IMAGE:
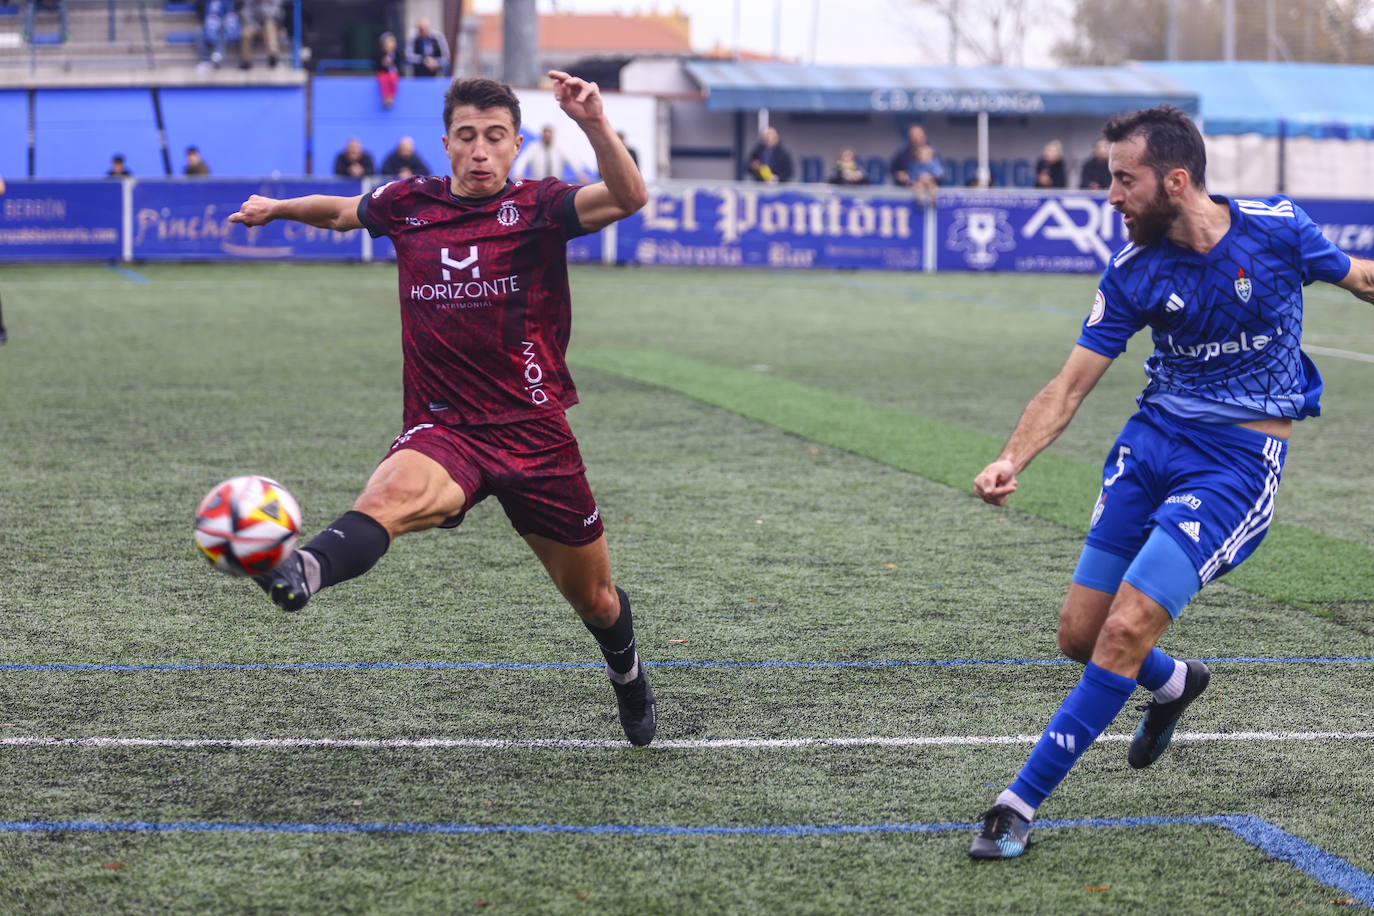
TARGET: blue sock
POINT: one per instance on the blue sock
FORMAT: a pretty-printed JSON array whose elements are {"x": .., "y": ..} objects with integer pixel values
[
  {"x": 1156, "y": 670},
  {"x": 1085, "y": 713}
]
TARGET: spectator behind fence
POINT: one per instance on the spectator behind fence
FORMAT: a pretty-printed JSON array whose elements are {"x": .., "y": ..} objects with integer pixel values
[
  {"x": 195, "y": 166},
  {"x": 546, "y": 159},
  {"x": 847, "y": 169},
  {"x": 1050, "y": 171},
  {"x": 219, "y": 25},
  {"x": 388, "y": 69},
  {"x": 403, "y": 161},
  {"x": 904, "y": 162},
  {"x": 117, "y": 167},
  {"x": 1096, "y": 176},
  {"x": 353, "y": 161},
  {"x": 260, "y": 17},
  {"x": 427, "y": 51},
  {"x": 769, "y": 160},
  {"x": 926, "y": 173}
]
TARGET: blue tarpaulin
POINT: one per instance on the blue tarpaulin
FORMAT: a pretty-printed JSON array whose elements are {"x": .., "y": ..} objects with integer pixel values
[{"x": 1096, "y": 91}]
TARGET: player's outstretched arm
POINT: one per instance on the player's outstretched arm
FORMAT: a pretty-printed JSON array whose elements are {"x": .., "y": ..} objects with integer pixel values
[
  {"x": 322, "y": 210},
  {"x": 1045, "y": 417},
  {"x": 621, "y": 190},
  {"x": 1360, "y": 279}
]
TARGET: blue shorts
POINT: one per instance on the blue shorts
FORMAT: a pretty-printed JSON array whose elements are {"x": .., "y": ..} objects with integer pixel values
[{"x": 1210, "y": 487}]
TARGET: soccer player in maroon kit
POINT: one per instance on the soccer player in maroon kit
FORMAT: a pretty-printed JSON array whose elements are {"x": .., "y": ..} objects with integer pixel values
[{"x": 483, "y": 273}]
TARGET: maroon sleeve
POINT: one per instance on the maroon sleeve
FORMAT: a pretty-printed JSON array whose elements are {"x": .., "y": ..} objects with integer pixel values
[
  {"x": 559, "y": 208},
  {"x": 376, "y": 211}
]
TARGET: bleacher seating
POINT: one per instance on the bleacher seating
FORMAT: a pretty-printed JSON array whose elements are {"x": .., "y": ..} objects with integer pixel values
[{"x": 57, "y": 37}]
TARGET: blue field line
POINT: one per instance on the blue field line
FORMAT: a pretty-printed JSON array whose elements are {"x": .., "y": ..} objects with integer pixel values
[
  {"x": 127, "y": 273},
  {"x": 561, "y": 666},
  {"x": 1271, "y": 840}
]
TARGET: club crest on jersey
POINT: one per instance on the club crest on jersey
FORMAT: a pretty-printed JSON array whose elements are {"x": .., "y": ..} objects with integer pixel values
[
  {"x": 1099, "y": 309},
  {"x": 1243, "y": 287},
  {"x": 508, "y": 215}
]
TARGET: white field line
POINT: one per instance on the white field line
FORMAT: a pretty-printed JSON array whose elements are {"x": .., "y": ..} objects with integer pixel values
[
  {"x": 669, "y": 744},
  {"x": 1341, "y": 354}
]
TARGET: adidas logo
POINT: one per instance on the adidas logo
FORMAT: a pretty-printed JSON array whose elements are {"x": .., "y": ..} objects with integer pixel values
[
  {"x": 1062, "y": 739},
  {"x": 1192, "y": 529},
  {"x": 1174, "y": 304}
]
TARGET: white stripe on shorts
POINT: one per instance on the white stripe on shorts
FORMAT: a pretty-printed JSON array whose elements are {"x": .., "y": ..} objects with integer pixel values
[{"x": 1256, "y": 521}]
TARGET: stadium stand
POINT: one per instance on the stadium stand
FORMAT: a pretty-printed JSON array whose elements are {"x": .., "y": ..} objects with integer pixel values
[{"x": 53, "y": 38}]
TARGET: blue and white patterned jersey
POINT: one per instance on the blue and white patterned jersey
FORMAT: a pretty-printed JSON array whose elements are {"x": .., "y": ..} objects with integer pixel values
[{"x": 1227, "y": 325}]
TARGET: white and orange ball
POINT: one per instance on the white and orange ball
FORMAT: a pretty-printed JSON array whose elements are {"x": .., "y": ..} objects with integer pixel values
[{"x": 247, "y": 525}]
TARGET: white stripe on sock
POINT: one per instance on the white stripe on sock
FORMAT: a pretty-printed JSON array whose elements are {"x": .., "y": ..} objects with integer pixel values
[
  {"x": 1173, "y": 687},
  {"x": 1016, "y": 803}
]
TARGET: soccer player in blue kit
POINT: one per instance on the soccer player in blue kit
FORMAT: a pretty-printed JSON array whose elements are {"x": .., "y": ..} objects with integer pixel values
[{"x": 1188, "y": 487}]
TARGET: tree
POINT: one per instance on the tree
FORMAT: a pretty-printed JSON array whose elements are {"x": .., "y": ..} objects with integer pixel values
[
  {"x": 1109, "y": 32},
  {"x": 992, "y": 32}
]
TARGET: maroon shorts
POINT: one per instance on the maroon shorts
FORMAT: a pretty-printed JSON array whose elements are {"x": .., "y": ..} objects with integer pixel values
[{"x": 533, "y": 468}]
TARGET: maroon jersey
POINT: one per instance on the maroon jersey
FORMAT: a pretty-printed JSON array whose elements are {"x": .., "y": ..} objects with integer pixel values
[{"x": 485, "y": 308}]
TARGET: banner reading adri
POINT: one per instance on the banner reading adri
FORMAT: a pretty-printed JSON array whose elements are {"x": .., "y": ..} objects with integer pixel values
[
  {"x": 61, "y": 221},
  {"x": 1026, "y": 232},
  {"x": 737, "y": 226},
  {"x": 178, "y": 220}
]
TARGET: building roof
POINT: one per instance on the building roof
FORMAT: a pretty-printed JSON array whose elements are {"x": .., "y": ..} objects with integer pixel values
[
  {"x": 598, "y": 33},
  {"x": 1101, "y": 91},
  {"x": 1256, "y": 97}
]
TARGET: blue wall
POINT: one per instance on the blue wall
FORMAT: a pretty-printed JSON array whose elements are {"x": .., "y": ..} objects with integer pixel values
[
  {"x": 351, "y": 106},
  {"x": 254, "y": 130},
  {"x": 14, "y": 128},
  {"x": 248, "y": 131},
  {"x": 77, "y": 130}
]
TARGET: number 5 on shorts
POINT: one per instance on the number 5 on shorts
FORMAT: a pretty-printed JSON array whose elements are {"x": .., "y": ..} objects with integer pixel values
[{"x": 1120, "y": 465}]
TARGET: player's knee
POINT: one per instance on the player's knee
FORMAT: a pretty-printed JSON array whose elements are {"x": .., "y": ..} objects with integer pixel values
[
  {"x": 406, "y": 502},
  {"x": 1074, "y": 646},
  {"x": 1125, "y": 638},
  {"x": 599, "y": 605}
]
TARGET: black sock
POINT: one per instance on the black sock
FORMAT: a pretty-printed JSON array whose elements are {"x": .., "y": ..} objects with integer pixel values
[
  {"x": 617, "y": 641},
  {"x": 348, "y": 547}
]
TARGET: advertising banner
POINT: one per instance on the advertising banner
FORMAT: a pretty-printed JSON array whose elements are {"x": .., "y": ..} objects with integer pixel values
[
  {"x": 1348, "y": 224},
  {"x": 1026, "y": 232},
  {"x": 739, "y": 226},
  {"x": 61, "y": 221},
  {"x": 178, "y": 220}
]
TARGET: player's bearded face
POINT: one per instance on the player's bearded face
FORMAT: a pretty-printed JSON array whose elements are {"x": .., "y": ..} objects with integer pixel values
[{"x": 1151, "y": 220}]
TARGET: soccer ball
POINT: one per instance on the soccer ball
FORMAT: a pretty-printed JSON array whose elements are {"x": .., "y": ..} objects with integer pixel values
[{"x": 246, "y": 525}]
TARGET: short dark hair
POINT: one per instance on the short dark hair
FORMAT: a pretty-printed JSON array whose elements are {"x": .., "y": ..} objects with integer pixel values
[
  {"x": 1172, "y": 140},
  {"x": 481, "y": 93}
]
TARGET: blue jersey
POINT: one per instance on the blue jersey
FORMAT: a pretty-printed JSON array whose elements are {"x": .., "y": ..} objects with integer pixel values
[{"x": 1227, "y": 325}]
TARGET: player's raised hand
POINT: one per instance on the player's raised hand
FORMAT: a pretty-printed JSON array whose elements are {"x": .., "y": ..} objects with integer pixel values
[
  {"x": 996, "y": 482},
  {"x": 580, "y": 99},
  {"x": 255, "y": 211}
]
